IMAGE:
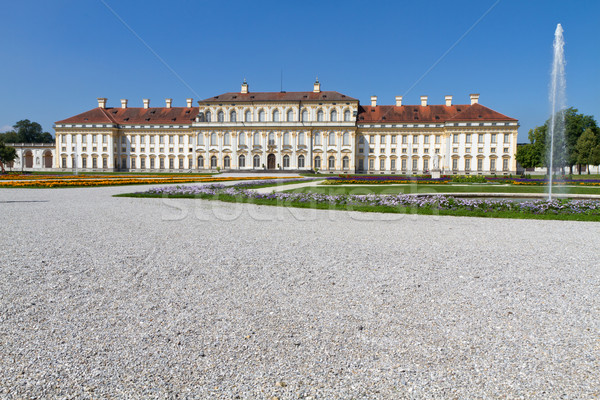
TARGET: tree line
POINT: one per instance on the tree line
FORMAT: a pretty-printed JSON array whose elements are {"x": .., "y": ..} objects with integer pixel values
[{"x": 579, "y": 146}]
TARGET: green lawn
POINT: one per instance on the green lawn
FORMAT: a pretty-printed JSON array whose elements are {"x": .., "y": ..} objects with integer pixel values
[{"x": 440, "y": 188}]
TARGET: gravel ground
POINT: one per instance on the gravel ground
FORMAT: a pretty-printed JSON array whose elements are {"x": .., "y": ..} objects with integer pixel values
[{"x": 104, "y": 297}]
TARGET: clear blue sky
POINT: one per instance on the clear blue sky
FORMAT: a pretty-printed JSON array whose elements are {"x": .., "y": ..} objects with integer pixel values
[{"x": 59, "y": 56}]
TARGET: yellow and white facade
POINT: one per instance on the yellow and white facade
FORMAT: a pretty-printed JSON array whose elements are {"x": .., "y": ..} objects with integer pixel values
[{"x": 318, "y": 130}]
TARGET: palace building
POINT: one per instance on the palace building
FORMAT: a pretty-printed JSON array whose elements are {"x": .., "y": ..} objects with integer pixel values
[{"x": 294, "y": 131}]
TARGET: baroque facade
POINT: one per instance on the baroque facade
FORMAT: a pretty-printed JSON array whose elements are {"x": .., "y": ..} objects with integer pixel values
[{"x": 318, "y": 130}]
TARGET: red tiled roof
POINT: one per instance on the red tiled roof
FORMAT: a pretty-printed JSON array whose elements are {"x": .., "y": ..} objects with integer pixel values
[
  {"x": 279, "y": 96},
  {"x": 429, "y": 114},
  {"x": 135, "y": 115}
]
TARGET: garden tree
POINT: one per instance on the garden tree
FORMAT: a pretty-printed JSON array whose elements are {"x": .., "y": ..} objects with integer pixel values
[
  {"x": 565, "y": 154},
  {"x": 10, "y": 137},
  {"x": 27, "y": 132},
  {"x": 587, "y": 149},
  {"x": 7, "y": 155}
]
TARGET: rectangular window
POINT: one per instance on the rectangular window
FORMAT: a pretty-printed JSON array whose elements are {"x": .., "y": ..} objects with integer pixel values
[
  {"x": 142, "y": 139},
  {"x": 454, "y": 164},
  {"x": 372, "y": 139},
  {"x": 371, "y": 164},
  {"x": 415, "y": 165},
  {"x": 404, "y": 164},
  {"x": 382, "y": 138},
  {"x": 382, "y": 164},
  {"x": 415, "y": 150},
  {"x": 404, "y": 151},
  {"x": 467, "y": 164},
  {"x": 161, "y": 139},
  {"x": 468, "y": 138},
  {"x": 94, "y": 139},
  {"x": 505, "y": 164},
  {"x": 162, "y": 163},
  {"x": 493, "y": 138},
  {"x": 404, "y": 139},
  {"x": 506, "y": 138},
  {"x": 143, "y": 163},
  {"x": 152, "y": 139},
  {"x": 171, "y": 163},
  {"x": 393, "y": 139},
  {"x": 94, "y": 162},
  {"x": 393, "y": 149},
  {"x": 480, "y": 150},
  {"x": 506, "y": 149},
  {"x": 438, "y": 139},
  {"x": 426, "y": 139},
  {"x": 180, "y": 139},
  {"x": 393, "y": 164},
  {"x": 492, "y": 164},
  {"x": 382, "y": 150},
  {"x": 132, "y": 162},
  {"x": 426, "y": 151},
  {"x": 64, "y": 162},
  {"x": 104, "y": 138},
  {"x": 171, "y": 140},
  {"x": 415, "y": 139},
  {"x": 181, "y": 163},
  {"x": 152, "y": 163},
  {"x": 425, "y": 165},
  {"x": 455, "y": 138},
  {"x": 123, "y": 141},
  {"x": 481, "y": 138},
  {"x": 468, "y": 150},
  {"x": 360, "y": 150},
  {"x": 104, "y": 163},
  {"x": 480, "y": 164}
]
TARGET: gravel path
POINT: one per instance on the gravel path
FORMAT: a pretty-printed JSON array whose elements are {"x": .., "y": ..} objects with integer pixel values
[{"x": 104, "y": 297}]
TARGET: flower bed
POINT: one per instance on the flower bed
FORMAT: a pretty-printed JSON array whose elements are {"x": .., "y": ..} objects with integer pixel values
[
  {"x": 385, "y": 203},
  {"x": 424, "y": 179},
  {"x": 103, "y": 181}
]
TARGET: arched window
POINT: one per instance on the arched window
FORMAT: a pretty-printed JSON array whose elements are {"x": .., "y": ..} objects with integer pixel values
[
  {"x": 242, "y": 161},
  {"x": 201, "y": 117},
  {"x": 248, "y": 117},
  {"x": 226, "y": 139},
  {"x": 317, "y": 139},
  {"x": 256, "y": 139},
  {"x": 233, "y": 116},
  {"x": 345, "y": 162},
  {"x": 208, "y": 116},
  {"x": 276, "y": 116},
  {"x": 332, "y": 162},
  {"x": 331, "y": 138},
  {"x": 305, "y": 115},
  {"x": 213, "y": 139},
  {"x": 200, "y": 162},
  {"x": 320, "y": 115},
  {"x": 286, "y": 161},
  {"x": 226, "y": 162},
  {"x": 361, "y": 140},
  {"x": 333, "y": 115},
  {"x": 347, "y": 115},
  {"x": 213, "y": 162},
  {"x": 300, "y": 161},
  {"x": 242, "y": 138},
  {"x": 301, "y": 141},
  {"x": 201, "y": 139},
  {"x": 346, "y": 139},
  {"x": 261, "y": 115},
  {"x": 271, "y": 139},
  {"x": 220, "y": 116},
  {"x": 256, "y": 161},
  {"x": 290, "y": 115},
  {"x": 286, "y": 139},
  {"x": 317, "y": 162}
]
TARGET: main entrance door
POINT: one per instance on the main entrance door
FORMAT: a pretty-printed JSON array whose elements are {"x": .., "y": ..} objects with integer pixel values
[{"x": 271, "y": 161}]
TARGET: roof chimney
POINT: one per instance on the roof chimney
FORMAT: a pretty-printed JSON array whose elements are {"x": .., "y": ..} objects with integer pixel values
[
  {"x": 169, "y": 102},
  {"x": 189, "y": 102},
  {"x": 448, "y": 101},
  {"x": 102, "y": 102},
  {"x": 373, "y": 101},
  {"x": 123, "y": 103},
  {"x": 146, "y": 103},
  {"x": 423, "y": 101},
  {"x": 474, "y": 98},
  {"x": 317, "y": 86},
  {"x": 398, "y": 101},
  {"x": 244, "y": 87}
]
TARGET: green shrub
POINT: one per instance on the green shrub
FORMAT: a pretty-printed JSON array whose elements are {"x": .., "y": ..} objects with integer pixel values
[{"x": 469, "y": 179}]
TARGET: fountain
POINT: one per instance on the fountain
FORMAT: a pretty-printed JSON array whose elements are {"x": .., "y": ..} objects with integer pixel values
[{"x": 556, "y": 150}]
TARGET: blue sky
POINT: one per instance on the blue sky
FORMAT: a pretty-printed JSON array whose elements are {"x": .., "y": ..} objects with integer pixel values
[{"x": 59, "y": 56}]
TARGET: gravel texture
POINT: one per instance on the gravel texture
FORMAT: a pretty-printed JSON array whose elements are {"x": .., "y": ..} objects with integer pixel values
[{"x": 104, "y": 297}]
